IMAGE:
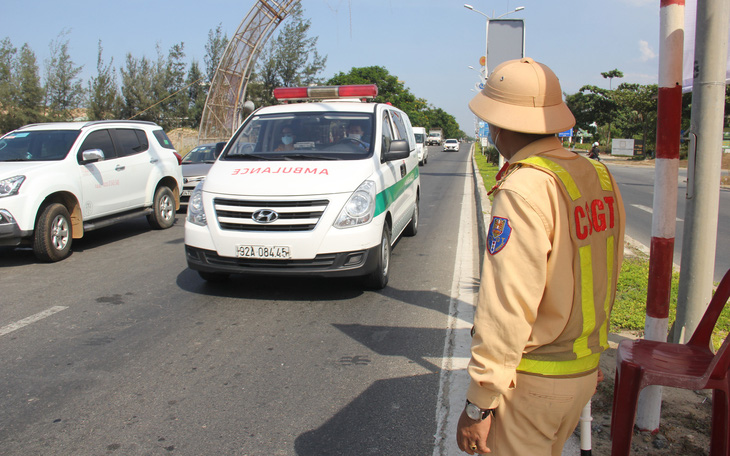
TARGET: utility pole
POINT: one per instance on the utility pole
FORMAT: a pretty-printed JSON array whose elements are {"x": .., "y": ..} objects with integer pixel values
[
  {"x": 669, "y": 116},
  {"x": 704, "y": 167}
]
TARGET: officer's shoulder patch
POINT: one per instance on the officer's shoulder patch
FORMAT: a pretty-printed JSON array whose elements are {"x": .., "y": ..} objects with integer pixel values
[{"x": 499, "y": 232}]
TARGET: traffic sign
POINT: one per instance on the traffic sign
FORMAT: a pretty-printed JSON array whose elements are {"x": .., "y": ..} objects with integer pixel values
[{"x": 566, "y": 133}]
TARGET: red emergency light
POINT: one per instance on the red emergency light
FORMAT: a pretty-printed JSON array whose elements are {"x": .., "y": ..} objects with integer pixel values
[{"x": 368, "y": 91}]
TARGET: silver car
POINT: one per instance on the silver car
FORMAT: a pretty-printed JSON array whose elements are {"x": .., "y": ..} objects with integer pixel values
[{"x": 195, "y": 166}]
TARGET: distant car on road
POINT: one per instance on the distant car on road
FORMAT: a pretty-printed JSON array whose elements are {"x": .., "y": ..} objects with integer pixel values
[
  {"x": 451, "y": 144},
  {"x": 195, "y": 166}
]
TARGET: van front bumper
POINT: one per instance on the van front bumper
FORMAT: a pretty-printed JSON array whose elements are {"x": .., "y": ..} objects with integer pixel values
[{"x": 343, "y": 264}]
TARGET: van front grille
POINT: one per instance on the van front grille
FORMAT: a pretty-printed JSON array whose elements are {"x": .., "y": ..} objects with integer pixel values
[{"x": 239, "y": 215}]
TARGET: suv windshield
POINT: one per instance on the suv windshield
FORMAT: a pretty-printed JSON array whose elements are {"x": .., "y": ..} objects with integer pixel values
[
  {"x": 304, "y": 136},
  {"x": 45, "y": 145}
]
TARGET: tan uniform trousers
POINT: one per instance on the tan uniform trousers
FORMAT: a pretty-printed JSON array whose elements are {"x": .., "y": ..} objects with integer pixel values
[{"x": 537, "y": 417}]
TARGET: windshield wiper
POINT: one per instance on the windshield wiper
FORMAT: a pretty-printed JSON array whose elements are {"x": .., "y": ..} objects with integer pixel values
[{"x": 308, "y": 157}]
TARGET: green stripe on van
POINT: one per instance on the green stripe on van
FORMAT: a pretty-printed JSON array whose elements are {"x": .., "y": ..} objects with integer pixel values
[{"x": 384, "y": 199}]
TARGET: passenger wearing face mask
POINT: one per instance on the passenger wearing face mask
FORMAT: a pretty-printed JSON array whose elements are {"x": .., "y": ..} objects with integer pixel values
[{"x": 287, "y": 140}]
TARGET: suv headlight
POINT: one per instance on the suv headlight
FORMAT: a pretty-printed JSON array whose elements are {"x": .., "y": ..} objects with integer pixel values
[
  {"x": 11, "y": 185},
  {"x": 360, "y": 208},
  {"x": 196, "y": 211}
]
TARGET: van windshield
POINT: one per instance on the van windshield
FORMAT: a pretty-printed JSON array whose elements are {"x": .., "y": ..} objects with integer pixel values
[
  {"x": 45, "y": 145},
  {"x": 303, "y": 136}
]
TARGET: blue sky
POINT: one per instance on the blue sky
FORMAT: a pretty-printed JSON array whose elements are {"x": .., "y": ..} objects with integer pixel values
[{"x": 427, "y": 44}]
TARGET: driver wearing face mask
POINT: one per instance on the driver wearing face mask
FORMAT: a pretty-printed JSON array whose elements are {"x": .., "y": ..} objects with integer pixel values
[
  {"x": 287, "y": 140},
  {"x": 355, "y": 132}
]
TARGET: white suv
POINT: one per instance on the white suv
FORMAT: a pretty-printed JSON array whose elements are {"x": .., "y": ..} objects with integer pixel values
[{"x": 59, "y": 180}]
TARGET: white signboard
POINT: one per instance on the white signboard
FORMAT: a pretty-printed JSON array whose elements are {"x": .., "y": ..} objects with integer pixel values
[
  {"x": 622, "y": 147},
  {"x": 688, "y": 62},
  {"x": 505, "y": 41}
]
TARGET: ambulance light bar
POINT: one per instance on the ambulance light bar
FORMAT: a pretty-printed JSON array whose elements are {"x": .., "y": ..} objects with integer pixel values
[{"x": 368, "y": 91}]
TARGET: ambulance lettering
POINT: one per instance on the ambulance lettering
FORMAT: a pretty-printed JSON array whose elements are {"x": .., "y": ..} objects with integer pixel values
[
  {"x": 268, "y": 170},
  {"x": 596, "y": 216}
]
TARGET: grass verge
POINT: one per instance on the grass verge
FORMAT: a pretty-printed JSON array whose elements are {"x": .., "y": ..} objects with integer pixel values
[{"x": 487, "y": 170}]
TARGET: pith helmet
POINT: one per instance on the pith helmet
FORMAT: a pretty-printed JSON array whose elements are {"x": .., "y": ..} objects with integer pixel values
[{"x": 525, "y": 96}]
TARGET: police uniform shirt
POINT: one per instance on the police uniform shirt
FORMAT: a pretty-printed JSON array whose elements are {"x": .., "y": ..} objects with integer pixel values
[{"x": 527, "y": 285}]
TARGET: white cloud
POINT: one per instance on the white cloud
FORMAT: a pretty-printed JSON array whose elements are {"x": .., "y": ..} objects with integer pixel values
[{"x": 645, "y": 51}]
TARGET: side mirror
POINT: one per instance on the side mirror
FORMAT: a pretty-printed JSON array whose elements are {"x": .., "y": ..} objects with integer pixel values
[
  {"x": 92, "y": 155},
  {"x": 398, "y": 149}
]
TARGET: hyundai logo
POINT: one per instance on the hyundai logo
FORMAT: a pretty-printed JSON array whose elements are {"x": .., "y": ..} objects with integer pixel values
[{"x": 265, "y": 216}]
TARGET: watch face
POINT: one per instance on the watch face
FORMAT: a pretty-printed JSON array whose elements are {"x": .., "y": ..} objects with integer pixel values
[{"x": 473, "y": 412}]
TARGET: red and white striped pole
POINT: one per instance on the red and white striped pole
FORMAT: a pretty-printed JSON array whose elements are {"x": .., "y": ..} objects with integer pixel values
[{"x": 669, "y": 116}]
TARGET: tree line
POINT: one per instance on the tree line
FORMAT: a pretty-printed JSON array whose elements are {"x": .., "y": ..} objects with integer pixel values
[
  {"x": 628, "y": 111},
  {"x": 172, "y": 93},
  {"x": 164, "y": 90}
]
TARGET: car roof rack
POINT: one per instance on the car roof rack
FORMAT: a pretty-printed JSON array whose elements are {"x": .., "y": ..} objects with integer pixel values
[{"x": 102, "y": 122}]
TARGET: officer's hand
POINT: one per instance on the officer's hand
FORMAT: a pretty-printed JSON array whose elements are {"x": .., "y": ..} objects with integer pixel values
[{"x": 471, "y": 436}]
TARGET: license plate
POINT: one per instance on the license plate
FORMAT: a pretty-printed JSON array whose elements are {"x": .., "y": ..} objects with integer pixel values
[
  {"x": 186, "y": 193},
  {"x": 272, "y": 252}
]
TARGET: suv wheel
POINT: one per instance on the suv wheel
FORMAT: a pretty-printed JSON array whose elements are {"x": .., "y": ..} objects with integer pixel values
[
  {"x": 163, "y": 215},
  {"x": 52, "y": 237},
  {"x": 378, "y": 279}
]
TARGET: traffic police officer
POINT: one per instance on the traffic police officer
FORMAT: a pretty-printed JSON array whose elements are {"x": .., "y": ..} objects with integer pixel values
[{"x": 554, "y": 251}]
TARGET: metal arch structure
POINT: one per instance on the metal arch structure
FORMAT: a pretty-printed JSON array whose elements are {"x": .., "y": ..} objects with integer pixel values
[{"x": 223, "y": 111}]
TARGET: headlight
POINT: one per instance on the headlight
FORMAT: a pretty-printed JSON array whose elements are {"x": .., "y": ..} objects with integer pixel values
[
  {"x": 11, "y": 185},
  {"x": 196, "y": 211},
  {"x": 360, "y": 208}
]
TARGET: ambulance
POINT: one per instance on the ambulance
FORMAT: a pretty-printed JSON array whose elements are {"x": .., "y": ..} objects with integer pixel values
[{"x": 321, "y": 185}]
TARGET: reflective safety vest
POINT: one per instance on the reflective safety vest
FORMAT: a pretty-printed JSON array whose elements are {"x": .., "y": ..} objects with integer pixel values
[{"x": 596, "y": 232}]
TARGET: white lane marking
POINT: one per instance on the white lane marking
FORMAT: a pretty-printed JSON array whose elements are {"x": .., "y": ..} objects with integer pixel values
[
  {"x": 32, "y": 319},
  {"x": 454, "y": 379},
  {"x": 650, "y": 210}
]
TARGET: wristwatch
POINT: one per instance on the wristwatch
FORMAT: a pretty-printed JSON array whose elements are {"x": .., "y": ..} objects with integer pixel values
[{"x": 475, "y": 413}]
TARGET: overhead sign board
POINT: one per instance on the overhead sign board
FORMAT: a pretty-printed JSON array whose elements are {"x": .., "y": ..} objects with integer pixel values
[{"x": 505, "y": 41}]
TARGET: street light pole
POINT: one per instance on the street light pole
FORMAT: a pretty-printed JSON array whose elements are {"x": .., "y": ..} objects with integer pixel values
[
  {"x": 482, "y": 74},
  {"x": 470, "y": 7}
]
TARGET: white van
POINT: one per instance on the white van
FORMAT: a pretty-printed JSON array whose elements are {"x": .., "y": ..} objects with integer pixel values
[
  {"x": 421, "y": 148},
  {"x": 320, "y": 189}
]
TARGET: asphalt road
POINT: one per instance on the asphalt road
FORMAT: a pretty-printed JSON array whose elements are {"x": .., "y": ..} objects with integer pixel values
[
  {"x": 637, "y": 188},
  {"x": 121, "y": 349}
]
